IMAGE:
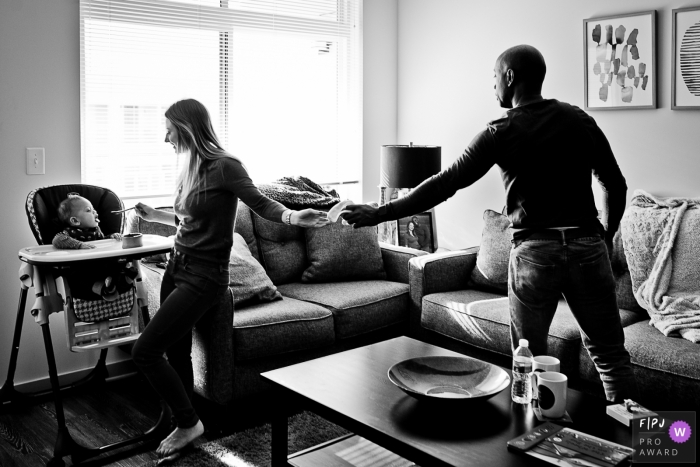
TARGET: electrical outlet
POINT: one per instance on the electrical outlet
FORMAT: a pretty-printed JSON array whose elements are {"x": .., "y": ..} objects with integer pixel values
[{"x": 36, "y": 161}]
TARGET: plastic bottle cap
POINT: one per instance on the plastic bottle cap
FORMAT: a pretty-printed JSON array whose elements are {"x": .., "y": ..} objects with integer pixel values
[{"x": 523, "y": 343}]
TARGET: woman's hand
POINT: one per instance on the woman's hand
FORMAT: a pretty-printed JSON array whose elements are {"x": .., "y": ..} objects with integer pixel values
[
  {"x": 145, "y": 212},
  {"x": 116, "y": 236},
  {"x": 310, "y": 218}
]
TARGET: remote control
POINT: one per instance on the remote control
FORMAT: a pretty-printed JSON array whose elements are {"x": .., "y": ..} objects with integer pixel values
[{"x": 527, "y": 440}]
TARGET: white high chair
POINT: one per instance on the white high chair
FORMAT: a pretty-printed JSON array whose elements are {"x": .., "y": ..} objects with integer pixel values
[{"x": 40, "y": 268}]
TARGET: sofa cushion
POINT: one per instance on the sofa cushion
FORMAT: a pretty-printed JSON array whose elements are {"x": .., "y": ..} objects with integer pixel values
[
  {"x": 491, "y": 270},
  {"x": 247, "y": 277},
  {"x": 340, "y": 252},
  {"x": 358, "y": 307},
  {"x": 666, "y": 368},
  {"x": 244, "y": 227},
  {"x": 273, "y": 328},
  {"x": 482, "y": 319},
  {"x": 281, "y": 248}
]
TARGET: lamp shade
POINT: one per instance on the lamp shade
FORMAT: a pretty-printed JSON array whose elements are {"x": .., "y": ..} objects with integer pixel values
[{"x": 408, "y": 166}]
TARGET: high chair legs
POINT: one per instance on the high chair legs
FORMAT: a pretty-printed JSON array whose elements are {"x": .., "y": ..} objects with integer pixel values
[
  {"x": 10, "y": 396},
  {"x": 65, "y": 444}
]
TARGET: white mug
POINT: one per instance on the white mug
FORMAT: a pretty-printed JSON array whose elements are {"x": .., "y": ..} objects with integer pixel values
[
  {"x": 551, "y": 392},
  {"x": 539, "y": 364}
]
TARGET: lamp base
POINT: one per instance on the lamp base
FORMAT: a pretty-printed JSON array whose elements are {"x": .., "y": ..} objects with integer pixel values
[{"x": 388, "y": 232}]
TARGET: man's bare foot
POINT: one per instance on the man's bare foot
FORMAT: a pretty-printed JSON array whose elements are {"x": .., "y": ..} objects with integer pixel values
[{"x": 178, "y": 439}]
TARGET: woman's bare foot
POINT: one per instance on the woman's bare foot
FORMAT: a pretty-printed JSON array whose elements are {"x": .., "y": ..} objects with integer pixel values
[{"x": 179, "y": 439}]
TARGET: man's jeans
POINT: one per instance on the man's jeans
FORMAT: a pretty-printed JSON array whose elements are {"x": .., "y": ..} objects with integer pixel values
[{"x": 540, "y": 272}]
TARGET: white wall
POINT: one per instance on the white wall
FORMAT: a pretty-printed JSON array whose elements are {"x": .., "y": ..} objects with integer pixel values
[
  {"x": 447, "y": 50},
  {"x": 40, "y": 107},
  {"x": 379, "y": 86}
]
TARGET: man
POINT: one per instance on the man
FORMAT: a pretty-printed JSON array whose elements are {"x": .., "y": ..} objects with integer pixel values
[
  {"x": 422, "y": 234},
  {"x": 547, "y": 151}
]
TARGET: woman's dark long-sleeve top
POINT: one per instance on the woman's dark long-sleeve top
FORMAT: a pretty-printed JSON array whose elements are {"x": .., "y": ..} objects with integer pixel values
[{"x": 206, "y": 222}]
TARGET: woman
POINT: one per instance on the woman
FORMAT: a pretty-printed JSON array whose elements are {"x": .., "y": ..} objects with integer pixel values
[
  {"x": 411, "y": 239},
  {"x": 208, "y": 189}
]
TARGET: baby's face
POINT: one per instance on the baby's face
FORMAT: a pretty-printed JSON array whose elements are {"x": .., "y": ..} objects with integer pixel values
[{"x": 84, "y": 213}]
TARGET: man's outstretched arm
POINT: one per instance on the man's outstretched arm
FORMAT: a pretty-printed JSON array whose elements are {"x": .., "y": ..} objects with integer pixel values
[{"x": 476, "y": 160}]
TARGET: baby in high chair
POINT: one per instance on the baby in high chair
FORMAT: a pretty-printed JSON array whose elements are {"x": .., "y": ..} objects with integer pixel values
[{"x": 81, "y": 224}]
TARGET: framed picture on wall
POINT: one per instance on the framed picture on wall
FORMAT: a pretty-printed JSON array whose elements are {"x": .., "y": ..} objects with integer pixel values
[
  {"x": 685, "y": 79},
  {"x": 620, "y": 61},
  {"x": 418, "y": 232}
]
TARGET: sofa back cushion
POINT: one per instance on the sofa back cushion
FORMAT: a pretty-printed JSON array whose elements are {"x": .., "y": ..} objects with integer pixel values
[
  {"x": 340, "y": 252},
  {"x": 244, "y": 227},
  {"x": 491, "y": 270},
  {"x": 281, "y": 249}
]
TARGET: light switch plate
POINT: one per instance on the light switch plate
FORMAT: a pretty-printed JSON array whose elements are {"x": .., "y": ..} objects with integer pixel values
[{"x": 36, "y": 161}]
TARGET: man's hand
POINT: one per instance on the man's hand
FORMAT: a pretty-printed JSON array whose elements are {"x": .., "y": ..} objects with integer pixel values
[
  {"x": 116, "y": 236},
  {"x": 361, "y": 215}
]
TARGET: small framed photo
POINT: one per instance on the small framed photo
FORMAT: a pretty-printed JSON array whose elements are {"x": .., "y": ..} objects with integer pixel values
[
  {"x": 418, "y": 232},
  {"x": 620, "y": 61},
  {"x": 685, "y": 79}
]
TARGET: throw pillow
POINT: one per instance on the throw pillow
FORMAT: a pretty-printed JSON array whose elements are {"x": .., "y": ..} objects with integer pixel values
[
  {"x": 247, "y": 278},
  {"x": 491, "y": 271},
  {"x": 340, "y": 252}
]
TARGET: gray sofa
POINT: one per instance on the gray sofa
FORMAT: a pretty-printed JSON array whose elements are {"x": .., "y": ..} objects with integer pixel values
[
  {"x": 233, "y": 346},
  {"x": 667, "y": 369}
]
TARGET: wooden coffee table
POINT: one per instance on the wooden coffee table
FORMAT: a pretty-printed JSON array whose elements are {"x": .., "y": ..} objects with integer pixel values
[{"x": 352, "y": 389}]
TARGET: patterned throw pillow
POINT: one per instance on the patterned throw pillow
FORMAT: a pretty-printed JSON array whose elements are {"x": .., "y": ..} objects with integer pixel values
[
  {"x": 340, "y": 252},
  {"x": 491, "y": 271},
  {"x": 247, "y": 278}
]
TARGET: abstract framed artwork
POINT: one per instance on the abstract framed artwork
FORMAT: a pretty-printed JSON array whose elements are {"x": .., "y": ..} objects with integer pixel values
[
  {"x": 685, "y": 79},
  {"x": 620, "y": 61}
]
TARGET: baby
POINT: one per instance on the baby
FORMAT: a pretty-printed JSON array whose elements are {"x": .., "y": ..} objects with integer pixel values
[{"x": 82, "y": 225}]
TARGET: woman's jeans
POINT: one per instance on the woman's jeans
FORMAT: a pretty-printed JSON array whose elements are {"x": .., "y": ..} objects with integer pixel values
[
  {"x": 540, "y": 272},
  {"x": 189, "y": 289}
]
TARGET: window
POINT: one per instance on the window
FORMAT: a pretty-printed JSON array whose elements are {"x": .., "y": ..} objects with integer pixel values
[{"x": 280, "y": 78}]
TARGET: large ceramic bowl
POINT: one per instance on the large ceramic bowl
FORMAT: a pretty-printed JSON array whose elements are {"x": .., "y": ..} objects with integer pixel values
[{"x": 448, "y": 378}]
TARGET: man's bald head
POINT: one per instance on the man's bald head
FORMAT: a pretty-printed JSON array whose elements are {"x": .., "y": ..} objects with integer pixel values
[{"x": 527, "y": 64}]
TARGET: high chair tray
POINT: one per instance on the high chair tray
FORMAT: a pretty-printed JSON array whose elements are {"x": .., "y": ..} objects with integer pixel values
[{"x": 108, "y": 248}]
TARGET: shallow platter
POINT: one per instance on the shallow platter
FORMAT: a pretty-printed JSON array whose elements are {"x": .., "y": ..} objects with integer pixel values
[{"x": 448, "y": 378}]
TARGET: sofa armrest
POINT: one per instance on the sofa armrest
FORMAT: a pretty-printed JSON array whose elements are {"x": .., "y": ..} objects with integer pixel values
[
  {"x": 212, "y": 352},
  {"x": 212, "y": 340},
  {"x": 441, "y": 272},
  {"x": 396, "y": 260}
]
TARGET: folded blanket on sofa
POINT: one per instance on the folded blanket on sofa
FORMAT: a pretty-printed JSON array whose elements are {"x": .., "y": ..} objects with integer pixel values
[
  {"x": 299, "y": 193},
  {"x": 661, "y": 240}
]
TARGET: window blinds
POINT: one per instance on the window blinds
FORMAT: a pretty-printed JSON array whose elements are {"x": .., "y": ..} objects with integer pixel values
[{"x": 280, "y": 78}]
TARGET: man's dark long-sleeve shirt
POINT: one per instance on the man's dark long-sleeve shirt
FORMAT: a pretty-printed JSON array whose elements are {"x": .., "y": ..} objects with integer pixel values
[{"x": 547, "y": 152}]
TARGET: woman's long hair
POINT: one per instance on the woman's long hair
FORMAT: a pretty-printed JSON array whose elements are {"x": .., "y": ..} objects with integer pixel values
[{"x": 196, "y": 136}]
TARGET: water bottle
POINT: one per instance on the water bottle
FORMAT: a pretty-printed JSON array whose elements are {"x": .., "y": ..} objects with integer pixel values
[{"x": 521, "y": 391}]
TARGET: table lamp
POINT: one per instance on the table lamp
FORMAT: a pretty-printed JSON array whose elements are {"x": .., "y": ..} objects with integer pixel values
[
  {"x": 408, "y": 166},
  {"x": 403, "y": 168}
]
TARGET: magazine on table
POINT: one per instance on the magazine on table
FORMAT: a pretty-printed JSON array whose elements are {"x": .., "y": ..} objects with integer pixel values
[{"x": 568, "y": 447}]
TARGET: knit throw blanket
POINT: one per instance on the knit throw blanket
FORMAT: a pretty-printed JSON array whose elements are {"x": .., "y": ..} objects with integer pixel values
[
  {"x": 661, "y": 239},
  {"x": 299, "y": 193}
]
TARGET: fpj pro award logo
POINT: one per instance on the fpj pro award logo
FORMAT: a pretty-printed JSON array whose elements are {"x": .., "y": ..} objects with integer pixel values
[{"x": 667, "y": 437}]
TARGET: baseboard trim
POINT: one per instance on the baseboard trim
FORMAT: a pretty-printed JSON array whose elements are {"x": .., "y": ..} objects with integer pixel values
[{"x": 116, "y": 371}]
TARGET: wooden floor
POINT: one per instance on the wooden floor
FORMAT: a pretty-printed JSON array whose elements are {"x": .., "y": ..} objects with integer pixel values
[{"x": 106, "y": 414}]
